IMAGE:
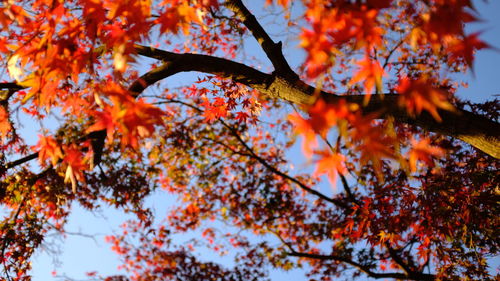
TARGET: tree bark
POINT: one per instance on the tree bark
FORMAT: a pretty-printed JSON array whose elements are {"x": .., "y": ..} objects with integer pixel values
[{"x": 474, "y": 129}]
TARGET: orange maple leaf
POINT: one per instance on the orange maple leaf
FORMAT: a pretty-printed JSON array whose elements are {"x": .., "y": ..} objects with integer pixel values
[
  {"x": 48, "y": 148},
  {"x": 139, "y": 120},
  {"x": 322, "y": 117},
  {"x": 366, "y": 28},
  {"x": 372, "y": 142},
  {"x": 5, "y": 126},
  {"x": 303, "y": 128},
  {"x": 423, "y": 151},
  {"x": 447, "y": 18},
  {"x": 330, "y": 164},
  {"x": 419, "y": 94},
  {"x": 180, "y": 15},
  {"x": 104, "y": 122},
  {"x": 133, "y": 118},
  {"x": 319, "y": 50},
  {"x": 371, "y": 73}
]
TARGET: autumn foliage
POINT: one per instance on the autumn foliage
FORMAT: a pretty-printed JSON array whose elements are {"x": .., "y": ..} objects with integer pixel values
[{"x": 403, "y": 182}]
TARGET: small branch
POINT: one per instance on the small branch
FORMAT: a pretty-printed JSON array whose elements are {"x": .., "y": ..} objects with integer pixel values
[
  {"x": 306, "y": 188},
  {"x": 20, "y": 161},
  {"x": 252, "y": 154},
  {"x": 391, "y": 52},
  {"x": 366, "y": 269},
  {"x": 395, "y": 256},
  {"x": 347, "y": 189},
  {"x": 272, "y": 50}
]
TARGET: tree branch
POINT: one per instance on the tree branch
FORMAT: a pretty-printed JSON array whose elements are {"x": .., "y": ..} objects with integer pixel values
[
  {"x": 471, "y": 128},
  {"x": 11, "y": 86},
  {"x": 348, "y": 190},
  {"x": 273, "y": 50},
  {"x": 251, "y": 153},
  {"x": 19, "y": 161},
  {"x": 273, "y": 169},
  {"x": 395, "y": 256},
  {"x": 366, "y": 269}
]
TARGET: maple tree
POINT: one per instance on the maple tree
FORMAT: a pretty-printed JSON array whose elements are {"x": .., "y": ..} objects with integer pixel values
[{"x": 414, "y": 169}]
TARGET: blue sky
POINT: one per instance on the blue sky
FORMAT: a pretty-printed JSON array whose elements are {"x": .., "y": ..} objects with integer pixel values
[{"x": 79, "y": 254}]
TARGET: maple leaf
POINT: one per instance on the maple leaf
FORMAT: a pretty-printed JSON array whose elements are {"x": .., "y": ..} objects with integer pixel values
[
  {"x": 322, "y": 117},
  {"x": 373, "y": 143},
  {"x": 303, "y": 127},
  {"x": 241, "y": 116},
  {"x": 319, "y": 50},
  {"x": 134, "y": 118},
  {"x": 181, "y": 15},
  {"x": 466, "y": 48},
  {"x": 48, "y": 148},
  {"x": 446, "y": 18},
  {"x": 104, "y": 122},
  {"x": 75, "y": 162},
  {"x": 5, "y": 126},
  {"x": 419, "y": 94},
  {"x": 139, "y": 120},
  {"x": 366, "y": 28},
  {"x": 3, "y": 45},
  {"x": 422, "y": 151},
  {"x": 330, "y": 164},
  {"x": 93, "y": 14},
  {"x": 370, "y": 73}
]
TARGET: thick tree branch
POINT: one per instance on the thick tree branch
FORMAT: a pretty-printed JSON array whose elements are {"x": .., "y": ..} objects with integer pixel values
[
  {"x": 474, "y": 129},
  {"x": 176, "y": 63},
  {"x": 11, "y": 86},
  {"x": 8, "y": 90},
  {"x": 471, "y": 128}
]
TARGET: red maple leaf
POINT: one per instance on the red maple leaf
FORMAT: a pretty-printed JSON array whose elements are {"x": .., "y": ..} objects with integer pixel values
[{"x": 466, "y": 48}]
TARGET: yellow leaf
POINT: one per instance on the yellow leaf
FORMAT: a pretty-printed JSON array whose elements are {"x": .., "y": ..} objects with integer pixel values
[
  {"x": 15, "y": 72},
  {"x": 70, "y": 177},
  {"x": 29, "y": 81},
  {"x": 119, "y": 59}
]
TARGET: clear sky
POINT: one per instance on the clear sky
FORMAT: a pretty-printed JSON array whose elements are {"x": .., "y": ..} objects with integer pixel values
[{"x": 80, "y": 254}]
